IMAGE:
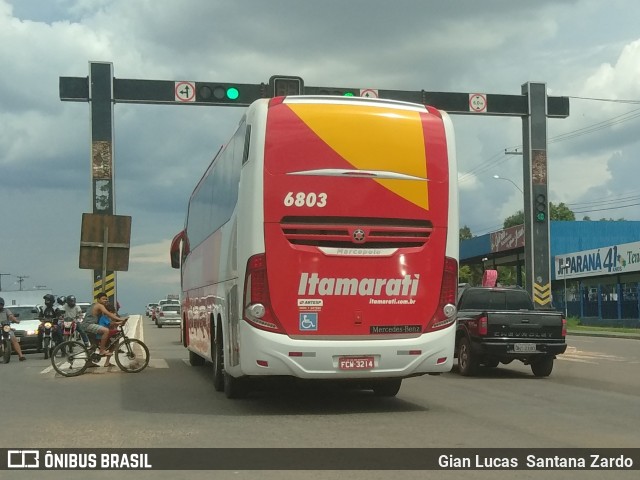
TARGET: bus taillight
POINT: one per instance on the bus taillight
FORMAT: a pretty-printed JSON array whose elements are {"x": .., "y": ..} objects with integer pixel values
[
  {"x": 446, "y": 311},
  {"x": 256, "y": 301}
]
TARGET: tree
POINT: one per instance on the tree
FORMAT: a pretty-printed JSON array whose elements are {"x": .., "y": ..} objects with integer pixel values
[
  {"x": 556, "y": 212},
  {"x": 514, "y": 220},
  {"x": 465, "y": 233},
  {"x": 469, "y": 274},
  {"x": 560, "y": 212}
]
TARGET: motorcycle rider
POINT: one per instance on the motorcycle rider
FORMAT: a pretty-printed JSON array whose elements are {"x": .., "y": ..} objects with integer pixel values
[
  {"x": 6, "y": 318},
  {"x": 73, "y": 312},
  {"x": 50, "y": 313}
]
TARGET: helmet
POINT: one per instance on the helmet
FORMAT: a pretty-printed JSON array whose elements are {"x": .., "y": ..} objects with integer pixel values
[
  {"x": 61, "y": 300},
  {"x": 49, "y": 299},
  {"x": 71, "y": 300}
]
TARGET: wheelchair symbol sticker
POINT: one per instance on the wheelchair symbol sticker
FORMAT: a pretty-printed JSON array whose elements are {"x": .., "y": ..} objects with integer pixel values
[{"x": 308, "y": 321}]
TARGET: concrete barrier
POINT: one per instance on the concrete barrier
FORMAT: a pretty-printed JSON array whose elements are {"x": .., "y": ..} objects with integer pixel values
[{"x": 134, "y": 327}]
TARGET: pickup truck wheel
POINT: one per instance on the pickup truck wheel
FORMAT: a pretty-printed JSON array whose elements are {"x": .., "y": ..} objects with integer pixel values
[
  {"x": 491, "y": 363},
  {"x": 467, "y": 362},
  {"x": 542, "y": 367},
  {"x": 387, "y": 388}
]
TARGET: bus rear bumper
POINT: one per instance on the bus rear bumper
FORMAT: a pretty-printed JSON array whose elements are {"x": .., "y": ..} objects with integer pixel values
[{"x": 265, "y": 353}]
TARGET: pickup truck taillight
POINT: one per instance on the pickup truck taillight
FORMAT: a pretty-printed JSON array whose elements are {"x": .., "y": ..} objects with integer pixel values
[
  {"x": 483, "y": 325},
  {"x": 446, "y": 311},
  {"x": 564, "y": 327}
]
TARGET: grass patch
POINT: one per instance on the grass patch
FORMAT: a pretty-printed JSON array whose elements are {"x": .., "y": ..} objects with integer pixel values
[{"x": 573, "y": 323}]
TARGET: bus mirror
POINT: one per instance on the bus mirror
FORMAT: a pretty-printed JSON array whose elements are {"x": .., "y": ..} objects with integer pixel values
[{"x": 175, "y": 249}]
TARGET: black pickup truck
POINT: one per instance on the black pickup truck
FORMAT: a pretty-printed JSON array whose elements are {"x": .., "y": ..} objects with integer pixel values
[{"x": 499, "y": 325}]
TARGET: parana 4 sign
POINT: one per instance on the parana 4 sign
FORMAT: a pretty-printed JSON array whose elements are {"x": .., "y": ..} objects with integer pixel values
[{"x": 622, "y": 258}]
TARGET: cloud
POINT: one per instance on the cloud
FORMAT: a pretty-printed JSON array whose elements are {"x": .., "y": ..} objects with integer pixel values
[{"x": 160, "y": 152}]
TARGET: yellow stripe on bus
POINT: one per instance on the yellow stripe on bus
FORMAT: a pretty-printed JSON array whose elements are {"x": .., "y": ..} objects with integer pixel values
[{"x": 365, "y": 138}]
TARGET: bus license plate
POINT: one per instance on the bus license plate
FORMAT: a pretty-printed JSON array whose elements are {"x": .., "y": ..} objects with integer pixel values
[
  {"x": 525, "y": 347},
  {"x": 355, "y": 363}
]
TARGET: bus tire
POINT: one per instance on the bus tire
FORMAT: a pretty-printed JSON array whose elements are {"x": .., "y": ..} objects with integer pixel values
[
  {"x": 219, "y": 381},
  {"x": 195, "y": 360},
  {"x": 235, "y": 387},
  {"x": 387, "y": 388}
]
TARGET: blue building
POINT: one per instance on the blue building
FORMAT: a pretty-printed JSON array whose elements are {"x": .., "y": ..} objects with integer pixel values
[{"x": 595, "y": 266}]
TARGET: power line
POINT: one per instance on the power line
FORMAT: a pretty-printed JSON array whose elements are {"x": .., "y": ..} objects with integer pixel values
[
  {"x": 622, "y": 199},
  {"x": 609, "y": 208},
  {"x": 631, "y": 115},
  {"x": 494, "y": 160},
  {"x": 612, "y": 100}
]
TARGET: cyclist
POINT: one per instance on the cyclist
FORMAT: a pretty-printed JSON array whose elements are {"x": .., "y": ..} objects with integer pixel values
[
  {"x": 74, "y": 313},
  {"x": 92, "y": 317},
  {"x": 112, "y": 326},
  {"x": 6, "y": 318}
]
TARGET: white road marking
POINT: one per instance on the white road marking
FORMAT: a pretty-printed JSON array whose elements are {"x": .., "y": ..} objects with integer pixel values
[
  {"x": 153, "y": 363},
  {"x": 574, "y": 355}
]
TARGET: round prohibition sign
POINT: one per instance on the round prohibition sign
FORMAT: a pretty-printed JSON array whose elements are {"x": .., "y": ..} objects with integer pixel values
[
  {"x": 477, "y": 102},
  {"x": 185, "y": 92}
]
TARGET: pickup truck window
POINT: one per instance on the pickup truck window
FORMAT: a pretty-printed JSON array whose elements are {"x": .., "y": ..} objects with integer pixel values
[{"x": 484, "y": 299}]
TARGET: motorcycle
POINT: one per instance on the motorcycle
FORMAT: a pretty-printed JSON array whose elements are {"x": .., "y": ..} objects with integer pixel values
[
  {"x": 68, "y": 331},
  {"x": 47, "y": 338},
  {"x": 5, "y": 346}
]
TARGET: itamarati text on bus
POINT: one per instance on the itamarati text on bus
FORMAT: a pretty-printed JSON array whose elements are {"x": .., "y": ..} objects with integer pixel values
[{"x": 322, "y": 243}]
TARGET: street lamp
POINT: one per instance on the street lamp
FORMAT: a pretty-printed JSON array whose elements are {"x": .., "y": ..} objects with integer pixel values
[{"x": 498, "y": 177}]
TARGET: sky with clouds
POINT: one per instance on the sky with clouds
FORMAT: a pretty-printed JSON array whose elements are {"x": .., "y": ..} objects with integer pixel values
[{"x": 587, "y": 50}]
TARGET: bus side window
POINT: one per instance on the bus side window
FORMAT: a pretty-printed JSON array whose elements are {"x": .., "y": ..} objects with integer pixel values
[{"x": 247, "y": 142}]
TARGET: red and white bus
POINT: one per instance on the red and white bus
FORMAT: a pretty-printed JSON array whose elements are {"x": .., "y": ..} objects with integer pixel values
[{"x": 322, "y": 243}]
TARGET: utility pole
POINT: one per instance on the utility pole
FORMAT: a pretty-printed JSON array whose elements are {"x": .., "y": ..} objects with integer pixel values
[
  {"x": 3, "y": 275},
  {"x": 21, "y": 279}
]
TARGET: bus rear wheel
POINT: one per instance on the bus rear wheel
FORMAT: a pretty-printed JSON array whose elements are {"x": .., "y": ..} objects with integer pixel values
[
  {"x": 218, "y": 365},
  {"x": 235, "y": 387}
]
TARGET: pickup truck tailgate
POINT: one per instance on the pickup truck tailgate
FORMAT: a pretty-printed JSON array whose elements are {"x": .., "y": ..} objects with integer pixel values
[{"x": 524, "y": 324}]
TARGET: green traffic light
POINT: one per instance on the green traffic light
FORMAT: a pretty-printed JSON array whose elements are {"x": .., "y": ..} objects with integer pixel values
[
  {"x": 232, "y": 93},
  {"x": 540, "y": 217},
  {"x": 348, "y": 94}
]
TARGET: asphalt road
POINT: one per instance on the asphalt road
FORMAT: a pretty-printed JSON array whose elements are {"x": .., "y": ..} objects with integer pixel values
[{"x": 590, "y": 400}]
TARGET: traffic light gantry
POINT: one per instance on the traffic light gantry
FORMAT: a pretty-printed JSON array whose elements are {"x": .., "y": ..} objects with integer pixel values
[{"x": 102, "y": 90}]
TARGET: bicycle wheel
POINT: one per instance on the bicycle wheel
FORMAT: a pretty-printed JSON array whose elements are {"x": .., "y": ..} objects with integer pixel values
[
  {"x": 73, "y": 362},
  {"x": 131, "y": 355}
]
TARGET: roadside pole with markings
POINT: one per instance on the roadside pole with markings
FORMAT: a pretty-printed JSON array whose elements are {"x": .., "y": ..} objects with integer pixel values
[{"x": 102, "y": 90}]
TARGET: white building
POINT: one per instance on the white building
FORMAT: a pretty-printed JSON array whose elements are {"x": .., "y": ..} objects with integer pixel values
[{"x": 23, "y": 297}]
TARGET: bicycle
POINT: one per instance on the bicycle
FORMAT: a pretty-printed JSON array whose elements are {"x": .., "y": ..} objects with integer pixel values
[{"x": 131, "y": 355}]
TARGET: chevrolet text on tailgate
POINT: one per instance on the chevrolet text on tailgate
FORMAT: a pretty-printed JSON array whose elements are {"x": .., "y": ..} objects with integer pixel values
[
  {"x": 499, "y": 325},
  {"x": 322, "y": 243}
]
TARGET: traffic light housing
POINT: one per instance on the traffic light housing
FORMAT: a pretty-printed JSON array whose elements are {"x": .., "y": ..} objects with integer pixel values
[
  {"x": 282, "y": 86},
  {"x": 339, "y": 92},
  {"x": 238, "y": 94},
  {"x": 540, "y": 208}
]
